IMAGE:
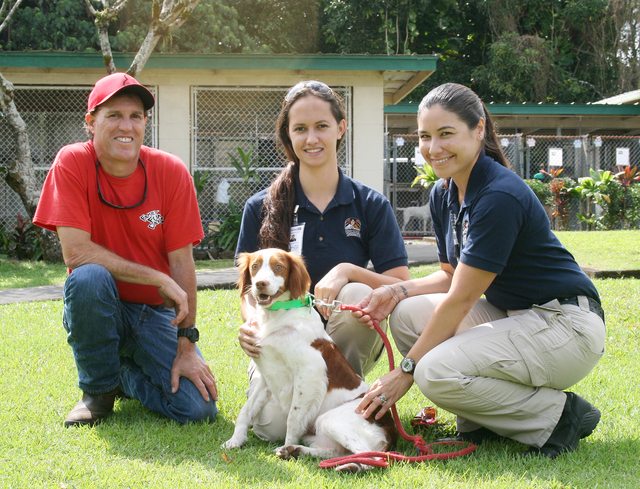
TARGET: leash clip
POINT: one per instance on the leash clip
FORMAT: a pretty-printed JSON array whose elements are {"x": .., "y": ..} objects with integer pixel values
[{"x": 335, "y": 306}]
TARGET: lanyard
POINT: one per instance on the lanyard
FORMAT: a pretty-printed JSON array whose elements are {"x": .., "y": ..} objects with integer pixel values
[{"x": 454, "y": 231}]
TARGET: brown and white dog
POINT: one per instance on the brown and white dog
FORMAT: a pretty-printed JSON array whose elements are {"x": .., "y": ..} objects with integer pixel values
[{"x": 303, "y": 369}]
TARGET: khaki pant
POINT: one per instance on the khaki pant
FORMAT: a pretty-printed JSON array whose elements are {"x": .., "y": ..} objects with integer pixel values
[
  {"x": 504, "y": 370},
  {"x": 360, "y": 345}
]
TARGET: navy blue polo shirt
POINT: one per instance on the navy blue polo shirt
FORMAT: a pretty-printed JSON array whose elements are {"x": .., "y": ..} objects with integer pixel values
[
  {"x": 503, "y": 228},
  {"x": 357, "y": 226}
]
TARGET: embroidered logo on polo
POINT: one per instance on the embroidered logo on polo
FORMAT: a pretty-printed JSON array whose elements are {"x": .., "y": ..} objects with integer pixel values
[
  {"x": 465, "y": 230},
  {"x": 153, "y": 218},
  {"x": 352, "y": 227}
]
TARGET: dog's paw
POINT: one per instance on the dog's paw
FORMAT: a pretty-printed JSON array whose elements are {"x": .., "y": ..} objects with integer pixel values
[
  {"x": 352, "y": 468},
  {"x": 234, "y": 442},
  {"x": 291, "y": 451}
]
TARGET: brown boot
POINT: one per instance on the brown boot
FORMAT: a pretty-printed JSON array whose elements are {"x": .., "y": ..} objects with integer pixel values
[{"x": 92, "y": 408}]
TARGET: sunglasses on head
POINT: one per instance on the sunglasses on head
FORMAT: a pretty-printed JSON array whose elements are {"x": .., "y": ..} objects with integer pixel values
[{"x": 316, "y": 86}]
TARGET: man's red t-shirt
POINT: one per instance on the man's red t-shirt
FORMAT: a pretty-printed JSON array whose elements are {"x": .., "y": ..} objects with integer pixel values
[{"x": 168, "y": 220}]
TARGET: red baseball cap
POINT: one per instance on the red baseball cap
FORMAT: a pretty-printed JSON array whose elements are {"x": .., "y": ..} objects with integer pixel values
[{"x": 107, "y": 87}]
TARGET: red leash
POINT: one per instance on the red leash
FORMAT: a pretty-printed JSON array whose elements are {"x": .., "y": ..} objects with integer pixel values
[{"x": 383, "y": 459}]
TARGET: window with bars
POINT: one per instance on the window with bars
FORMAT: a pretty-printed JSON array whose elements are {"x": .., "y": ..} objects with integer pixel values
[{"x": 225, "y": 119}]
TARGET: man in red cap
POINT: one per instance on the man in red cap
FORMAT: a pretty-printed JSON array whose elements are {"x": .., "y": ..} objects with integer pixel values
[{"x": 127, "y": 218}]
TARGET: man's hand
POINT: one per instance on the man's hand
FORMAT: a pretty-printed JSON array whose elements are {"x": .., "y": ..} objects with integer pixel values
[
  {"x": 175, "y": 297},
  {"x": 190, "y": 365}
]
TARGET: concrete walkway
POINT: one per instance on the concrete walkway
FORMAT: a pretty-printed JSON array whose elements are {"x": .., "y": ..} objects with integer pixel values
[{"x": 420, "y": 252}]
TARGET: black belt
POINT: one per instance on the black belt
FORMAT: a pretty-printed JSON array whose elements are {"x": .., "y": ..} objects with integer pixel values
[{"x": 594, "y": 305}]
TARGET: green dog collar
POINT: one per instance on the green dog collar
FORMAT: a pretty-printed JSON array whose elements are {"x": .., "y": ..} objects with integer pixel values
[{"x": 276, "y": 306}]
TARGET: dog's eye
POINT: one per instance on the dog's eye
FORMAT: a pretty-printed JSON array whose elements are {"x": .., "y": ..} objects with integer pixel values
[
  {"x": 254, "y": 266},
  {"x": 279, "y": 268}
]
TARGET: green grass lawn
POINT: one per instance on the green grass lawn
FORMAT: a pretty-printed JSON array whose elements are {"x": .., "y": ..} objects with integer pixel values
[
  {"x": 135, "y": 448},
  {"x": 16, "y": 274},
  {"x": 604, "y": 250}
]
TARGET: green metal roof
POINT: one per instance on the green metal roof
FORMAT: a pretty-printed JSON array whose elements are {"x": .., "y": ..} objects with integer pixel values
[
  {"x": 224, "y": 61},
  {"x": 535, "y": 109}
]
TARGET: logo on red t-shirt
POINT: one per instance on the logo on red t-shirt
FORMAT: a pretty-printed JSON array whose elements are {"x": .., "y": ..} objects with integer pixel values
[{"x": 153, "y": 218}]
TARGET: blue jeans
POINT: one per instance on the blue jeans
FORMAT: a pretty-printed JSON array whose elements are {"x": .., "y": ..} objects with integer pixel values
[{"x": 127, "y": 344}]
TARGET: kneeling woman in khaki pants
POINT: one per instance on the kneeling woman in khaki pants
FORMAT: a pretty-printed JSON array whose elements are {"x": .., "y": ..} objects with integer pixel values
[{"x": 500, "y": 363}]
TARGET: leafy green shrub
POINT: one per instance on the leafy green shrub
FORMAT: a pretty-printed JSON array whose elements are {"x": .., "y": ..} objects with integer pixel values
[
  {"x": 22, "y": 243},
  {"x": 612, "y": 203},
  {"x": 541, "y": 190},
  {"x": 4, "y": 242},
  {"x": 225, "y": 238},
  {"x": 426, "y": 176},
  {"x": 246, "y": 166},
  {"x": 633, "y": 212},
  {"x": 201, "y": 180}
]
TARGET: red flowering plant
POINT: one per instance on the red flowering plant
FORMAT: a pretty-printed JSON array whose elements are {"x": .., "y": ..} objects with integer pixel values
[
  {"x": 562, "y": 190},
  {"x": 626, "y": 177}
]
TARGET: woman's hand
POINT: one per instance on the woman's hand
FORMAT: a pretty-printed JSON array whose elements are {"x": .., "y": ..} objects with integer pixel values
[
  {"x": 330, "y": 285},
  {"x": 248, "y": 339},
  {"x": 391, "y": 386},
  {"x": 376, "y": 306}
]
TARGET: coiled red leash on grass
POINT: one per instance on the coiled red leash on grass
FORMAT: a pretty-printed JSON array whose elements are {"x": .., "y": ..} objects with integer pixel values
[{"x": 383, "y": 459}]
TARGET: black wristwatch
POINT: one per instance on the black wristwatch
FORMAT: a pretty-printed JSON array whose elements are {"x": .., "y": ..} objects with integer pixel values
[
  {"x": 408, "y": 366},
  {"x": 191, "y": 333}
]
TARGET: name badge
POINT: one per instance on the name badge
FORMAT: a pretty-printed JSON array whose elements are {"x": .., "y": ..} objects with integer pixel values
[{"x": 295, "y": 242}]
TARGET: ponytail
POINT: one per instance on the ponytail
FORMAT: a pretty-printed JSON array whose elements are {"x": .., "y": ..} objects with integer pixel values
[
  {"x": 277, "y": 209},
  {"x": 492, "y": 146}
]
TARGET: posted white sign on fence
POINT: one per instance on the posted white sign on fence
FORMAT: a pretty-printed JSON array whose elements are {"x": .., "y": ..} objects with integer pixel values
[
  {"x": 419, "y": 160},
  {"x": 555, "y": 156},
  {"x": 622, "y": 156}
]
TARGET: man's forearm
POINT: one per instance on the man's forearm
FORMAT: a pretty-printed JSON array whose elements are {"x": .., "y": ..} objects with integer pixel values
[
  {"x": 78, "y": 250},
  {"x": 183, "y": 272}
]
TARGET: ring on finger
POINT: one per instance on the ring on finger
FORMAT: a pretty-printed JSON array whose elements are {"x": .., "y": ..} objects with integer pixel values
[{"x": 383, "y": 399}]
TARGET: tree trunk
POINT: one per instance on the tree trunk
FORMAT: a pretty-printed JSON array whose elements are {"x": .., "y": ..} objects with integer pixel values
[
  {"x": 164, "y": 20},
  {"x": 142, "y": 56},
  {"x": 105, "y": 47},
  {"x": 20, "y": 175}
]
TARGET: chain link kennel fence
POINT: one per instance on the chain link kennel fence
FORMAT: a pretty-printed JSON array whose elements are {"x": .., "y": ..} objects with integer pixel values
[
  {"x": 225, "y": 119},
  {"x": 576, "y": 155},
  {"x": 54, "y": 117}
]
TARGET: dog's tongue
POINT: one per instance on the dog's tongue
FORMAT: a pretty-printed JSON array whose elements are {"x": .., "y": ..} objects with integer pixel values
[{"x": 264, "y": 298}]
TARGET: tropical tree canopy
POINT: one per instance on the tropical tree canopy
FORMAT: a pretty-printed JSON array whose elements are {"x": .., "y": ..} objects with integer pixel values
[{"x": 507, "y": 50}]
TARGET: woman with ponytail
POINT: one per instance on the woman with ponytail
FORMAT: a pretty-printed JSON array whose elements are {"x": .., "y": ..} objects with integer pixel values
[
  {"x": 340, "y": 224},
  {"x": 499, "y": 362}
]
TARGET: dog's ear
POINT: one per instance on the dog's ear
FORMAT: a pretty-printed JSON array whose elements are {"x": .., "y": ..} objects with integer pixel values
[
  {"x": 243, "y": 262},
  {"x": 299, "y": 280}
]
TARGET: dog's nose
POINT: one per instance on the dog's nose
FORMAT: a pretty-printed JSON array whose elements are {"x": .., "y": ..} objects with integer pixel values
[{"x": 261, "y": 284}]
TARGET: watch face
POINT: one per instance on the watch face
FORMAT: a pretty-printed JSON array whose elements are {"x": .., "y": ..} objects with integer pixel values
[
  {"x": 191, "y": 333},
  {"x": 408, "y": 366}
]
